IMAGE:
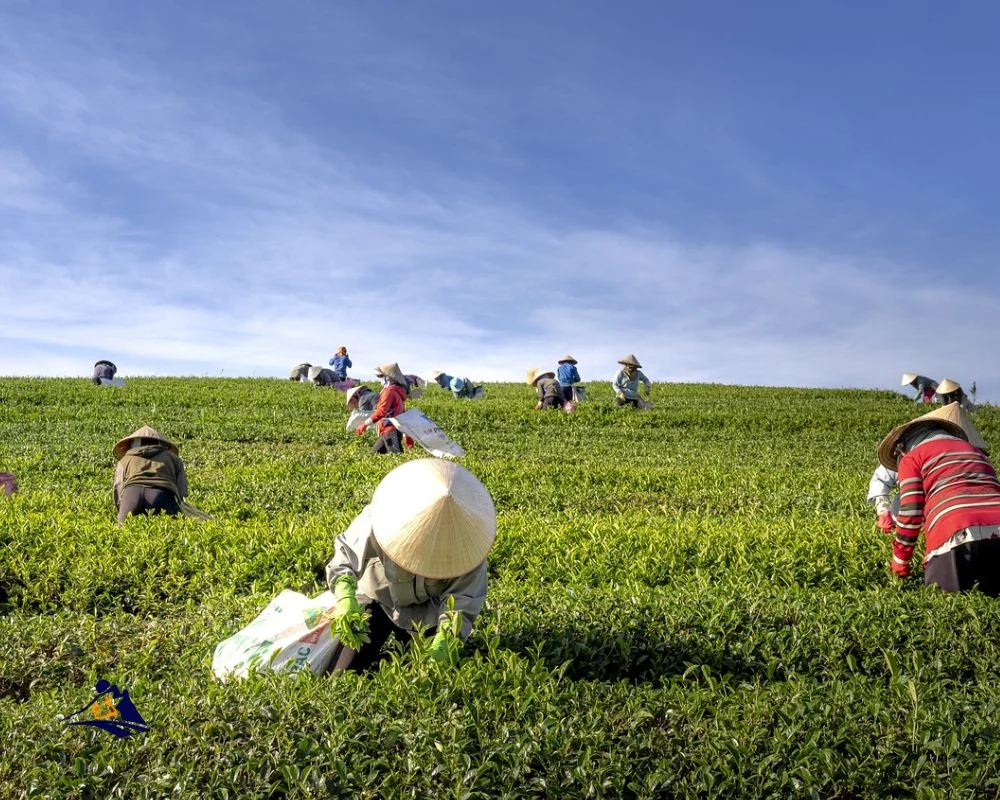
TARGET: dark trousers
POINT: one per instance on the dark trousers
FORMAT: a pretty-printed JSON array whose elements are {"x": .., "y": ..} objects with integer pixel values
[
  {"x": 634, "y": 402},
  {"x": 388, "y": 442},
  {"x": 975, "y": 564},
  {"x": 146, "y": 500},
  {"x": 567, "y": 393},
  {"x": 380, "y": 628},
  {"x": 552, "y": 401}
]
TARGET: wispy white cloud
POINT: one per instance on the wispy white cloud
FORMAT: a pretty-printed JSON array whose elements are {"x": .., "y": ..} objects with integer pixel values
[{"x": 244, "y": 244}]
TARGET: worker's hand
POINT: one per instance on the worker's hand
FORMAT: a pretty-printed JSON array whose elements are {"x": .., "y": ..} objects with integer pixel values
[
  {"x": 444, "y": 648},
  {"x": 447, "y": 642},
  {"x": 886, "y": 523},
  {"x": 538, "y": 406},
  {"x": 347, "y": 619},
  {"x": 900, "y": 568},
  {"x": 360, "y": 431},
  {"x": 345, "y": 589},
  {"x": 620, "y": 395}
]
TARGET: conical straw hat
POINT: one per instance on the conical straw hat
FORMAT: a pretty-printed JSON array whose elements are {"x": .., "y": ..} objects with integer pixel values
[
  {"x": 951, "y": 417},
  {"x": 534, "y": 376},
  {"x": 433, "y": 518},
  {"x": 947, "y": 386},
  {"x": 145, "y": 432},
  {"x": 392, "y": 372},
  {"x": 566, "y": 360},
  {"x": 630, "y": 361},
  {"x": 351, "y": 393},
  {"x": 908, "y": 378}
]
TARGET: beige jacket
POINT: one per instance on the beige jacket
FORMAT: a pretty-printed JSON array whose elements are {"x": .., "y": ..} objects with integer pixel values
[{"x": 404, "y": 597}]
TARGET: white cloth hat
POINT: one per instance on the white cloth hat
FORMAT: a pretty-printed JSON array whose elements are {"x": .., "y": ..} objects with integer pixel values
[{"x": 433, "y": 518}]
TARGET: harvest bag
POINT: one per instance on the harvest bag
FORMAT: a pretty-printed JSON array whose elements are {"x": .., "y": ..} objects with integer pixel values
[
  {"x": 356, "y": 418},
  {"x": 579, "y": 393},
  {"x": 425, "y": 432},
  {"x": 291, "y": 634}
]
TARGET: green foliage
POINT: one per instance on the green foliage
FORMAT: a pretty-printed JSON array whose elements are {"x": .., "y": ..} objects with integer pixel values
[{"x": 686, "y": 602}]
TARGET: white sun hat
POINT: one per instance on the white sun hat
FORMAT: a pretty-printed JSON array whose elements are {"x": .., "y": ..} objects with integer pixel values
[
  {"x": 908, "y": 378},
  {"x": 433, "y": 518}
]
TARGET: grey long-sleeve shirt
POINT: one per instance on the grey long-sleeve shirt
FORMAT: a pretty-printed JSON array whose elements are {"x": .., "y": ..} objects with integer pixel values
[{"x": 404, "y": 597}]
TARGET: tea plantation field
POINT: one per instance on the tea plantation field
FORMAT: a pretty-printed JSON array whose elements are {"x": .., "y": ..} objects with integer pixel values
[{"x": 686, "y": 602}]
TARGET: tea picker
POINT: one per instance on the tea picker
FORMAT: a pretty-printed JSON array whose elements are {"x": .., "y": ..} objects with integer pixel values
[
  {"x": 413, "y": 559},
  {"x": 104, "y": 374},
  {"x": 949, "y": 491},
  {"x": 568, "y": 377},
  {"x": 626, "y": 384},
  {"x": 547, "y": 389},
  {"x": 460, "y": 388},
  {"x": 925, "y": 386},
  {"x": 391, "y": 403}
]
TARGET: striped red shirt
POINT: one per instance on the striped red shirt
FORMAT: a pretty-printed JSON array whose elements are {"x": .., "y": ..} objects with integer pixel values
[{"x": 945, "y": 486}]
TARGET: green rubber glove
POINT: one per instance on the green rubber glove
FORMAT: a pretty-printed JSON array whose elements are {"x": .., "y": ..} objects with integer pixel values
[
  {"x": 447, "y": 643},
  {"x": 348, "y": 620}
]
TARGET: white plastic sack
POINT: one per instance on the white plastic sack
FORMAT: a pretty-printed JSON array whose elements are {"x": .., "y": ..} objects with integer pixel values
[
  {"x": 112, "y": 381},
  {"x": 292, "y": 633},
  {"x": 425, "y": 432},
  {"x": 356, "y": 418}
]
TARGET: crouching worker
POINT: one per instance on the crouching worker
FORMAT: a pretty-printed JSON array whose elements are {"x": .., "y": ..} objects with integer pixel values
[
  {"x": 300, "y": 372},
  {"x": 547, "y": 389},
  {"x": 362, "y": 399},
  {"x": 419, "y": 545},
  {"x": 626, "y": 383},
  {"x": 881, "y": 494},
  {"x": 949, "y": 489},
  {"x": 459, "y": 387},
  {"x": 150, "y": 475},
  {"x": 103, "y": 371}
]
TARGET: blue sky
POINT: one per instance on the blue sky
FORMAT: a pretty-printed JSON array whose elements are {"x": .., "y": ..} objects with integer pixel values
[{"x": 776, "y": 193}]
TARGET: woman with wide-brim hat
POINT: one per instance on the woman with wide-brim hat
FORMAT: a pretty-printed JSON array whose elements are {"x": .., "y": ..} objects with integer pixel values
[
  {"x": 949, "y": 489},
  {"x": 391, "y": 403},
  {"x": 415, "y": 556},
  {"x": 925, "y": 386},
  {"x": 568, "y": 376},
  {"x": 626, "y": 383},
  {"x": 546, "y": 388},
  {"x": 149, "y": 477}
]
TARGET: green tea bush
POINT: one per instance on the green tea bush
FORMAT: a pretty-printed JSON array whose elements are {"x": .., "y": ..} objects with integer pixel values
[{"x": 686, "y": 602}]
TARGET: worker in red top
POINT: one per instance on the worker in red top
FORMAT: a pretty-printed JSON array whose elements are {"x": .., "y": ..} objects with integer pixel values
[
  {"x": 949, "y": 489},
  {"x": 391, "y": 403}
]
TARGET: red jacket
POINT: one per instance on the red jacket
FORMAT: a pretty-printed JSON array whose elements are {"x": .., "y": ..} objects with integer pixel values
[
  {"x": 391, "y": 403},
  {"x": 945, "y": 486}
]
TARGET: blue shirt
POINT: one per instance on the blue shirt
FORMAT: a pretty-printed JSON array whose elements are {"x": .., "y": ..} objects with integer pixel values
[
  {"x": 567, "y": 374},
  {"x": 340, "y": 365}
]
